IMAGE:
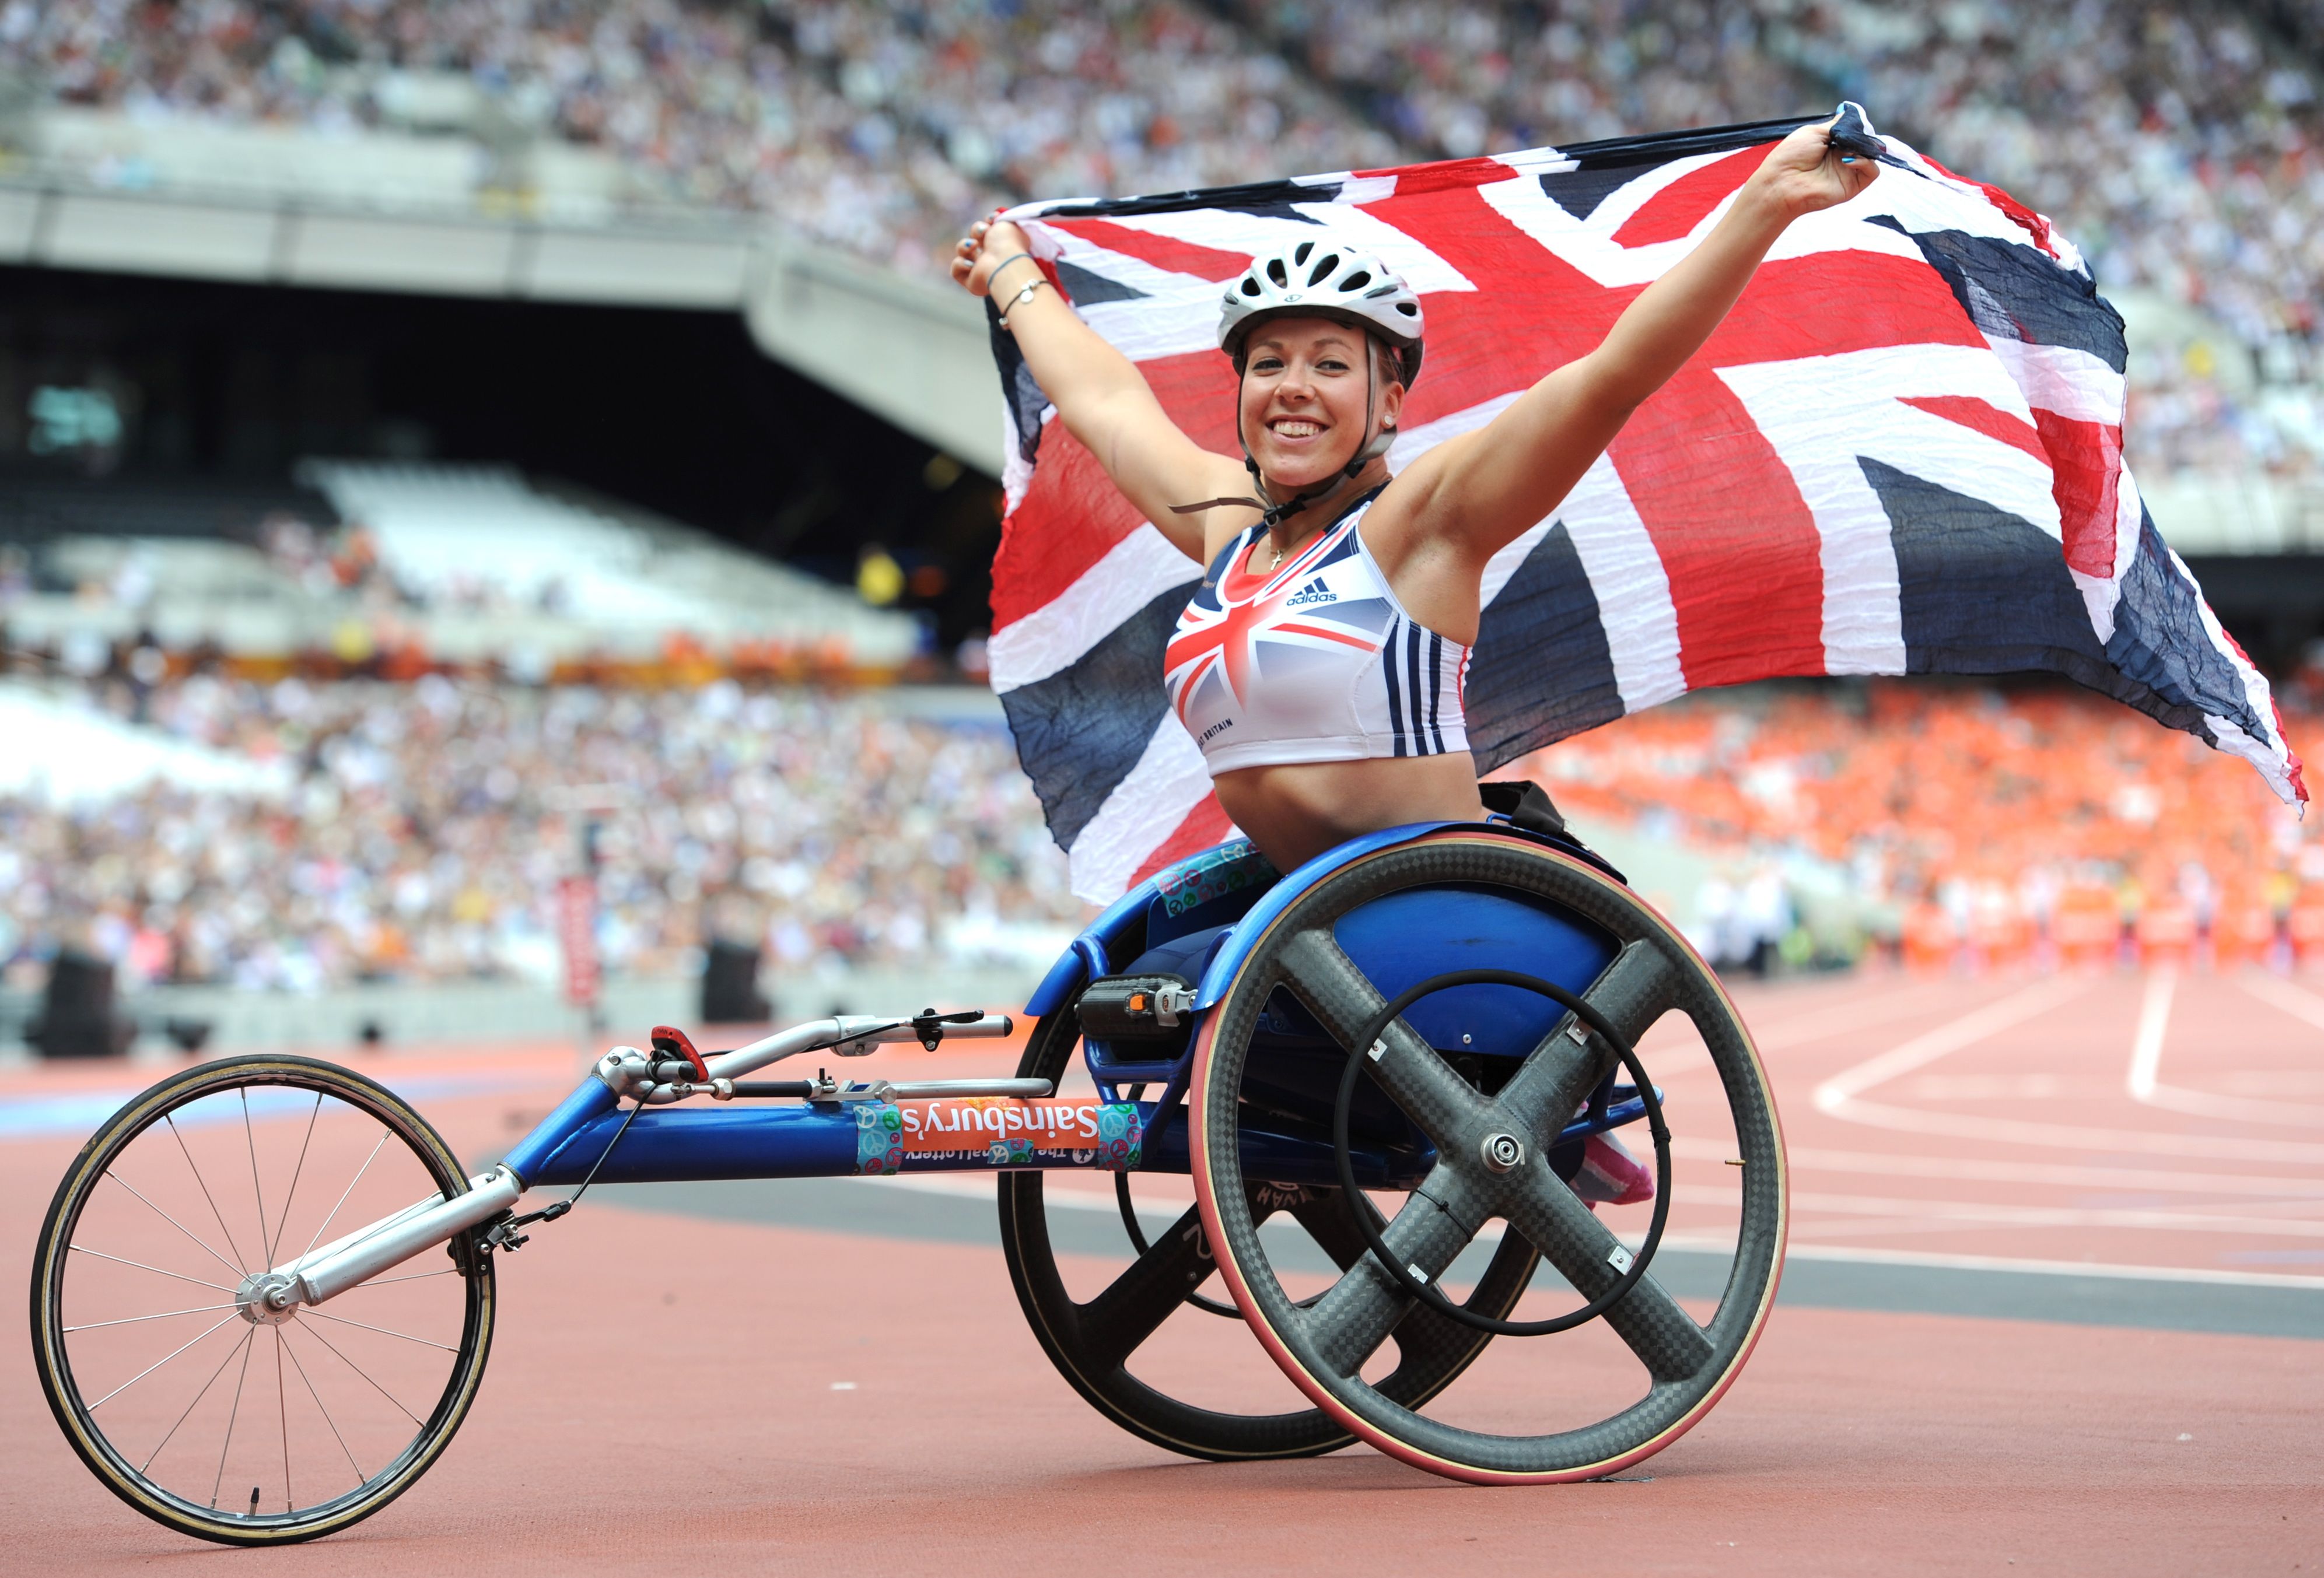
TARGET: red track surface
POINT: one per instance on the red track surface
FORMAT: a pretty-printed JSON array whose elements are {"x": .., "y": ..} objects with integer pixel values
[{"x": 662, "y": 1395}]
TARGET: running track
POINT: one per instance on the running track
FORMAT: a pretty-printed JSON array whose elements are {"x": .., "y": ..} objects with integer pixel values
[{"x": 2054, "y": 1296}]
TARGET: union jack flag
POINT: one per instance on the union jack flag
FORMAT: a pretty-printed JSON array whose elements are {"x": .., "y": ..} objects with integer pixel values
[{"x": 1900, "y": 454}]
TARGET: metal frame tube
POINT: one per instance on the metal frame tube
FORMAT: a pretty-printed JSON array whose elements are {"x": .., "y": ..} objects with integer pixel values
[
  {"x": 848, "y": 1037},
  {"x": 392, "y": 1241}
]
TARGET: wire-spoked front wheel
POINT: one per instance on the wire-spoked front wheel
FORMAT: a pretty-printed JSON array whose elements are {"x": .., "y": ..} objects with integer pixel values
[{"x": 189, "y": 1396}]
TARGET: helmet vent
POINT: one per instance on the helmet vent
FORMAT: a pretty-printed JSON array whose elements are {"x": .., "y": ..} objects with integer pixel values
[{"x": 1323, "y": 275}]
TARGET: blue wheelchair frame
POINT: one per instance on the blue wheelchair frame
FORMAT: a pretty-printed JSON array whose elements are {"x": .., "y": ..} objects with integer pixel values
[{"x": 1230, "y": 892}]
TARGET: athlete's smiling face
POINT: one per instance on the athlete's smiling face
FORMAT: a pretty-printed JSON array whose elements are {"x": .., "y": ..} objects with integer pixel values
[{"x": 1304, "y": 384}]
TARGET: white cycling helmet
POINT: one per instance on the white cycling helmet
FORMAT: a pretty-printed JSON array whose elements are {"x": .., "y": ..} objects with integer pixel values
[{"x": 1319, "y": 277}]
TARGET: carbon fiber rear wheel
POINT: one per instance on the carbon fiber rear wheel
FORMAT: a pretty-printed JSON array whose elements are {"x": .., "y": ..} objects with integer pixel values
[
  {"x": 1679, "y": 1366},
  {"x": 1094, "y": 1342}
]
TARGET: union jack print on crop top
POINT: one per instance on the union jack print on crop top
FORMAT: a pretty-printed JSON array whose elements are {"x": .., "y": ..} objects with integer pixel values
[{"x": 1315, "y": 661}]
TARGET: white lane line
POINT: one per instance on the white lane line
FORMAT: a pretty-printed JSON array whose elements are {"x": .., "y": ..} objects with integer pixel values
[
  {"x": 2063, "y": 1174},
  {"x": 1831, "y": 1229},
  {"x": 2063, "y": 1137},
  {"x": 2278, "y": 992},
  {"x": 2146, "y": 1046},
  {"x": 1886, "y": 1008},
  {"x": 1841, "y": 1096},
  {"x": 2002, "y": 1215},
  {"x": 1973, "y": 1262},
  {"x": 2146, "y": 1086},
  {"x": 1838, "y": 1094},
  {"x": 1690, "y": 1056},
  {"x": 2030, "y": 1265}
]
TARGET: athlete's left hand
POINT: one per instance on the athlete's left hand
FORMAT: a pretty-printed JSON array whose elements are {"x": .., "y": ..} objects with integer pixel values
[{"x": 1804, "y": 172}]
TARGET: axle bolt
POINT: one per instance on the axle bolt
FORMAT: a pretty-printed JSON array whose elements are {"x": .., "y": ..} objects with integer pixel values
[{"x": 1503, "y": 1153}]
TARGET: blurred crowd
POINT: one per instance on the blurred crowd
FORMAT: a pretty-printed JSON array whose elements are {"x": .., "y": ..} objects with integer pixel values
[
  {"x": 426, "y": 829},
  {"x": 2174, "y": 142},
  {"x": 880, "y": 128},
  {"x": 1953, "y": 806}
]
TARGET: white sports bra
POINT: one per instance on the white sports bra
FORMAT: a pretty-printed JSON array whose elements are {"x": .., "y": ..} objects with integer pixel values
[{"x": 1316, "y": 662}]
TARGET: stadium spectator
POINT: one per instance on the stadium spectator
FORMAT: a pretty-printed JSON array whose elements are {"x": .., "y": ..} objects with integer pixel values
[
  {"x": 1925, "y": 793},
  {"x": 427, "y": 827},
  {"x": 2173, "y": 142},
  {"x": 426, "y": 833}
]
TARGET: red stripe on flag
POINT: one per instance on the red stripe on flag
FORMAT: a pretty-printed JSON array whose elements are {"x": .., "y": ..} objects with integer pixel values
[
  {"x": 1164, "y": 251},
  {"x": 1444, "y": 176},
  {"x": 1201, "y": 828},
  {"x": 1983, "y": 417},
  {"x": 1673, "y": 213},
  {"x": 1071, "y": 517},
  {"x": 2086, "y": 477},
  {"x": 1737, "y": 543},
  {"x": 1071, "y": 514}
]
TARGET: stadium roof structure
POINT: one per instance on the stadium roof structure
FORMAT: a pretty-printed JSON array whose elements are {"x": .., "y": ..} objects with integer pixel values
[{"x": 483, "y": 566}]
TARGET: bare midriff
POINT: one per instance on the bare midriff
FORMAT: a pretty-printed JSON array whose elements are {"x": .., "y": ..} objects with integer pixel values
[{"x": 1297, "y": 811}]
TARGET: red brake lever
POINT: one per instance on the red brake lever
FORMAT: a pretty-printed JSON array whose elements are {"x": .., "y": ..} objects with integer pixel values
[{"x": 671, "y": 1042}]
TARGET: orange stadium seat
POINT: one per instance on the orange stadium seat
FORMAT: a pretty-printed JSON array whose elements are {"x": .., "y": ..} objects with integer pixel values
[
  {"x": 2166, "y": 932},
  {"x": 1932, "y": 941},
  {"x": 2085, "y": 927},
  {"x": 2243, "y": 932},
  {"x": 2306, "y": 928}
]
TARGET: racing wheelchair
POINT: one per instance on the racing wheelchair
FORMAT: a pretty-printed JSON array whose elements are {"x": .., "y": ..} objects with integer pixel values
[{"x": 1401, "y": 1048}]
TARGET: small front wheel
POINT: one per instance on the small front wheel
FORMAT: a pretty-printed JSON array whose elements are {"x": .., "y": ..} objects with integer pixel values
[{"x": 186, "y": 1393}]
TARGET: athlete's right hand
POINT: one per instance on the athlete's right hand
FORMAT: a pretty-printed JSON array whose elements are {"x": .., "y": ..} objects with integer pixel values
[{"x": 988, "y": 242}]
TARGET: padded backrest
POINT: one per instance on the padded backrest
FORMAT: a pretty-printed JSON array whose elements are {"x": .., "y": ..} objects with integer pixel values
[
  {"x": 1210, "y": 889},
  {"x": 1401, "y": 940}
]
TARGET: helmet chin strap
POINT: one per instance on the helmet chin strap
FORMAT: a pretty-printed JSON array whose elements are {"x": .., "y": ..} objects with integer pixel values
[{"x": 1270, "y": 512}]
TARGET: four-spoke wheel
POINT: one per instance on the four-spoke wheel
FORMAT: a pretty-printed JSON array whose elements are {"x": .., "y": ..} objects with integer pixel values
[
  {"x": 1492, "y": 1144},
  {"x": 1093, "y": 1342}
]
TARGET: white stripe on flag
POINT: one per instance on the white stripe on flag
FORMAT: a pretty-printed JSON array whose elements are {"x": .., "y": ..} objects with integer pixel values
[
  {"x": 2272, "y": 758},
  {"x": 1144, "y": 809},
  {"x": 1411, "y": 446},
  {"x": 2056, "y": 378},
  {"x": 1412, "y": 442},
  {"x": 2102, "y": 595},
  {"x": 1133, "y": 572},
  {"x": 1627, "y": 579},
  {"x": 1792, "y": 402}
]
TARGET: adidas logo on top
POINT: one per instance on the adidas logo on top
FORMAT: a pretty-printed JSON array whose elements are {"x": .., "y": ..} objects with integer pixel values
[{"x": 1313, "y": 592}]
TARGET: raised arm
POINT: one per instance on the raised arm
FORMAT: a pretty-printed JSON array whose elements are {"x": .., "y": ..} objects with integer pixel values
[
  {"x": 1476, "y": 493},
  {"x": 1100, "y": 396}
]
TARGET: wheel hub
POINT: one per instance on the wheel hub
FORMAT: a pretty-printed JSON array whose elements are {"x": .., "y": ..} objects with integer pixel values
[
  {"x": 266, "y": 1298},
  {"x": 1503, "y": 1152}
]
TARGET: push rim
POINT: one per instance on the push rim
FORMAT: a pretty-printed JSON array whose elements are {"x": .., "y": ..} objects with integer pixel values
[
  {"x": 1688, "y": 1365},
  {"x": 1091, "y": 1341},
  {"x": 352, "y": 1403}
]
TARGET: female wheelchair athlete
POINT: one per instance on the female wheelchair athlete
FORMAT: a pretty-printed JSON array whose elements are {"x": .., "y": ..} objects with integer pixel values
[{"x": 1441, "y": 1010}]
